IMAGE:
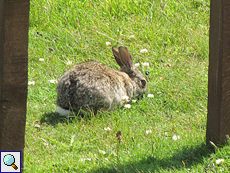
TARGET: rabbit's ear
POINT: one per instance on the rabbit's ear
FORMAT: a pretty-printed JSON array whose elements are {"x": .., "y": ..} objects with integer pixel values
[
  {"x": 117, "y": 56},
  {"x": 126, "y": 57}
]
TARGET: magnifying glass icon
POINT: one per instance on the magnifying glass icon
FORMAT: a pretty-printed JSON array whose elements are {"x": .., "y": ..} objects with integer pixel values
[{"x": 9, "y": 160}]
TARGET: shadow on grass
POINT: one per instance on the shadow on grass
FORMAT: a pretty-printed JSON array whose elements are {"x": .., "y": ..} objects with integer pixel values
[
  {"x": 54, "y": 118},
  {"x": 187, "y": 157}
]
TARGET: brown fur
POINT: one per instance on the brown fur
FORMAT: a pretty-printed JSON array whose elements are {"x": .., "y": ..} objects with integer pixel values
[{"x": 93, "y": 85}]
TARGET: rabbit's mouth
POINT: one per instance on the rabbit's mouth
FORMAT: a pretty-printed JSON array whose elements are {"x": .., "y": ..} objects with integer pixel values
[
  {"x": 140, "y": 93},
  {"x": 140, "y": 96}
]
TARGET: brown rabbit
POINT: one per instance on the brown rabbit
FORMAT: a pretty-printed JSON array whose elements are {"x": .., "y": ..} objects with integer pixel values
[{"x": 94, "y": 86}]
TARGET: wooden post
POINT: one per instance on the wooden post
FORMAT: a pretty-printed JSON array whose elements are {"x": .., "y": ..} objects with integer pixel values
[
  {"x": 218, "y": 123},
  {"x": 14, "y": 24}
]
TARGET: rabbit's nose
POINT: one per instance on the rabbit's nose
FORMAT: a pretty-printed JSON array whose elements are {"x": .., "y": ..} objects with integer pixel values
[{"x": 143, "y": 82}]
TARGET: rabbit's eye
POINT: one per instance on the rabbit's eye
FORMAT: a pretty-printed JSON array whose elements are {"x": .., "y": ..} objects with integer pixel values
[
  {"x": 143, "y": 82},
  {"x": 132, "y": 74},
  {"x": 147, "y": 72}
]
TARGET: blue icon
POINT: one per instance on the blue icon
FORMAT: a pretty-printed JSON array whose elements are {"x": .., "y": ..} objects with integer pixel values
[{"x": 9, "y": 160}]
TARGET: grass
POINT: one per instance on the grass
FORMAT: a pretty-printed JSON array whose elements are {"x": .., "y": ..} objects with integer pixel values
[{"x": 63, "y": 33}]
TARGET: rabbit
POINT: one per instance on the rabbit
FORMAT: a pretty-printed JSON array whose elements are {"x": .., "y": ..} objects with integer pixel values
[{"x": 94, "y": 86}]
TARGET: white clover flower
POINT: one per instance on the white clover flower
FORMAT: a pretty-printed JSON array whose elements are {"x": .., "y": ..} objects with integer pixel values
[
  {"x": 219, "y": 161},
  {"x": 148, "y": 131},
  {"x": 38, "y": 126},
  {"x": 127, "y": 106},
  {"x": 137, "y": 64},
  {"x": 125, "y": 99},
  {"x": 108, "y": 43},
  {"x": 107, "y": 128},
  {"x": 176, "y": 137},
  {"x": 102, "y": 152},
  {"x": 169, "y": 65},
  {"x": 84, "y": 159},
  {"x": 113, "y": 152},
  {"x": 134, "y": 101},
  {"x": 131, "y": 36},
  {"x": 69, "y": 63},
  {"x": 143, "y": 51},
  {"x": 54, "y": 81},
  {"x": 31, "y": 83},
  {"x": 145, "y": 64},
  {"x": 106, "y": 159},
  {"x": 166, "y": 134},
  {"x": 45, "y": 142},
  {"x": 41, "y": 59},
  {"x": 150, "y": 95}
]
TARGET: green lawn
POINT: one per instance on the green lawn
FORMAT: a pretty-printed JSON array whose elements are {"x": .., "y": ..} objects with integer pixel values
[{"x": 164, "y": 133}]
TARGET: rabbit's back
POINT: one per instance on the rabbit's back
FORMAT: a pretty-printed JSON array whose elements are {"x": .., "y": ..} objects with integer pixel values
[{"x": 93, "y": 85}]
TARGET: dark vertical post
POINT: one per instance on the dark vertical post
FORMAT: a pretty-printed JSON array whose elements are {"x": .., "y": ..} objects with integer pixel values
[
  {"x": 14, "y": 24},
  {"x": 218, "y": 123}
]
